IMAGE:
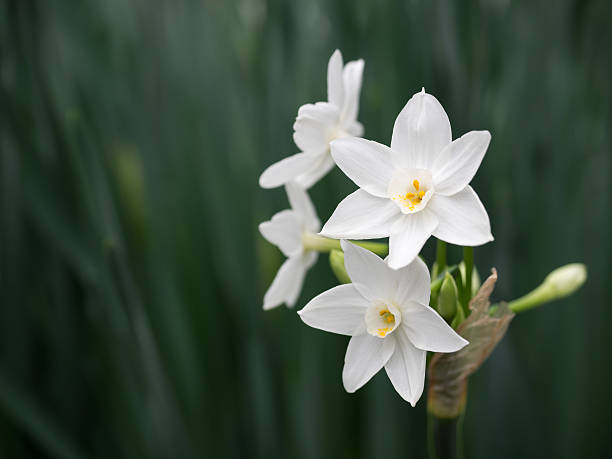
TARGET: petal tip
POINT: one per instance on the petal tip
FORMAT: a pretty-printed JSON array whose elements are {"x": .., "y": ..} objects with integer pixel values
[
  {"x": 266, "y": 180},
  {"x": 268, "y": 306},
  {"x": 396, "y": 264}
]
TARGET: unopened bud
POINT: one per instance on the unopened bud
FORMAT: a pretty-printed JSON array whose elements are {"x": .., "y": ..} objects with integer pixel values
[
  {"x": 447, "y": 297},
  {"x": 459, "y": 317},
  {"x": 567, "y": 279},
  {"x": 475, "y": 278},
  {"x": 558, "y": 284}
]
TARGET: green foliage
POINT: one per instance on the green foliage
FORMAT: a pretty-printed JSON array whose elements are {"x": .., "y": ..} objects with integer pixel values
[{"x": 132, "y": 134}]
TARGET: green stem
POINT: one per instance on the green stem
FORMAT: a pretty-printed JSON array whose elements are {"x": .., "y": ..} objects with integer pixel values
[
  {"x": 541, "y": 295},
  {"x": 468, "y": 260},
  {"x": 441, "y": 255},
  {"x": 444, "y": 437},
  {"x": 323, "y": 244}
]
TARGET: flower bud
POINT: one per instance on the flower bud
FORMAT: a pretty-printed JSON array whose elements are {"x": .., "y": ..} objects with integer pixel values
[
  {"x": 558, "y": 284},
  {"x": 459, "y": 317},
  {"x": 475, "y": 278},
  {"x": 336, "y": 261},
  {"x": 567, "y": 279},
  {"x": 447, "y": 298}
]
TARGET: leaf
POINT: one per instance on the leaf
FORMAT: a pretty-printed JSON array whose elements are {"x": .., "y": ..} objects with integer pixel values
[{"x": 448, "y": 373}]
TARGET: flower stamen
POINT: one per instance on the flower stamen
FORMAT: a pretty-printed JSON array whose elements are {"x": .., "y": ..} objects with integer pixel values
[
  {"x": 387, "y": 317},
  {"x": 411, "y": 189}
]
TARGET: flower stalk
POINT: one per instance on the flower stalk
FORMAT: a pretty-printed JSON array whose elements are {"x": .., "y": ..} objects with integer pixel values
[
  {"x": 440, "y": 256},
  {"x": 336, "y": 262},
  {"x": 445, "y": 437},
  {"x": 560, "y": 283},
  {"x": 318, "y": 243}
]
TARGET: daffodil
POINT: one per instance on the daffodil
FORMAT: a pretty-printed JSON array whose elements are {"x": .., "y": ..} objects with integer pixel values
[
  {"x": 416, "y": 188},
  {"x": 285, "y": 230},
  {"x": 320, "y": 123},
  {"x": 386, "y": 314}
]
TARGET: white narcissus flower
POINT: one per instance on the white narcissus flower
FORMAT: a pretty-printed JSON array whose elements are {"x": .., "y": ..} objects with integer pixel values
[
  {"x": 285, "y": 230},
  {"x": 386, "y": 314},
  {"x": 318, "y": 124},
  {"x": 415, "y": 189}
]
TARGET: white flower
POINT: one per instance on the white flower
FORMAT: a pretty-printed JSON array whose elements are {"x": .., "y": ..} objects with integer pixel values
[
  {"x": 285, "y": 230},
  {"x": 414, "y": 189},
  {"x": 386, "y": 314},
  {"x": 318, "y": 124}
]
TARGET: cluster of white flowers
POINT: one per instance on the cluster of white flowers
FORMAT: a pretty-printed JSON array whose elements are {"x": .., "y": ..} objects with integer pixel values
[{"x": 416, "y": 188}]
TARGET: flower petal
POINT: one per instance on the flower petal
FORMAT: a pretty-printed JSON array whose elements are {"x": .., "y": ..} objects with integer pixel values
[
  {"x": 335, "y": 85},
  {"x": 338, "y": 310},
  {"x": 355, "y": 129},
  {"x": 314, "y": 126},
  {"x": 462, "y": 218},
  {"x": 406, "y": 368},
  {"x": 413, "y": 282},
  {"x": 285, "y": 231},
  {"x": 420, "y": 132},
  {"x": 288, "y": 168},
  {"x": 351, "y": 76},
  {"x": 365, "y": 162},
  {"x": 456, "y": 165},
  {"x": 287, "y": 284},
  {"x": 316, "y": 172},
  {"x": 361, "y": 216},
  {"x": 365, "y": 356},
  {"x": 302, "y": 205},
  {"x": 408, "y": 235},
  {"x": 428, "y": 331},
  {"x": 369, "y": 273}
]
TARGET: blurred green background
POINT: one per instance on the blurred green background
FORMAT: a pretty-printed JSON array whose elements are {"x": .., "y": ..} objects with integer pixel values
[{"x": 132, "y": 135}]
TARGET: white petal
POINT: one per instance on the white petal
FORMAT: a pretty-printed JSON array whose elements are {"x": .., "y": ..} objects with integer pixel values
[
  {"x": 338, "y": 310},
  {"x": 408, "y": 235},
  {"x": 361, "y": 216},
  {"x": 302, "y": 205},
  {"x": 355, "y": 129},
  {"x": 287, "y": 284},
  {"x": 324, "y": 112},
  {"x": 369, "y": 273},
  {"x": 335, "y": 85},
  {"x": 365, "y": 162},
  {"x": 420, "y": 132},
  {"x": 285, "y": 231},
  {"x": 316, "y": 172},
  {"x": 413, "y": 282},
  {"x": 287, "y": 169},
  {"x": 428, "y": 331},
  {"x": 457, "y": 164},
  {"x": 351, "y": 76},
  {"x": 365, "y": 356},
  {"x": 406, "y": 368},
  {"x": 462, "y": 219},
  {"x": 314, "y": 126}
]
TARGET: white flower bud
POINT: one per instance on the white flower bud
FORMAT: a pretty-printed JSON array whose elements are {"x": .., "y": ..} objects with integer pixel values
[{"x": 566, "y": 279}]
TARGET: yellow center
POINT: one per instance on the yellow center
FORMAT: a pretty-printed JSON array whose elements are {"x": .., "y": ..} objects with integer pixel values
[
  {"x": 388, "y": 318},
  {"x": 412, "y": 199}
]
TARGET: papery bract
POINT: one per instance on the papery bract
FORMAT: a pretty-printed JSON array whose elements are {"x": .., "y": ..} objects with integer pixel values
[
  {"x": 386, "y": 314},
  {"x": 285, "y": 230},
  {"x": 415, "y": 188},
  {"x": 320, "y": 123}
]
